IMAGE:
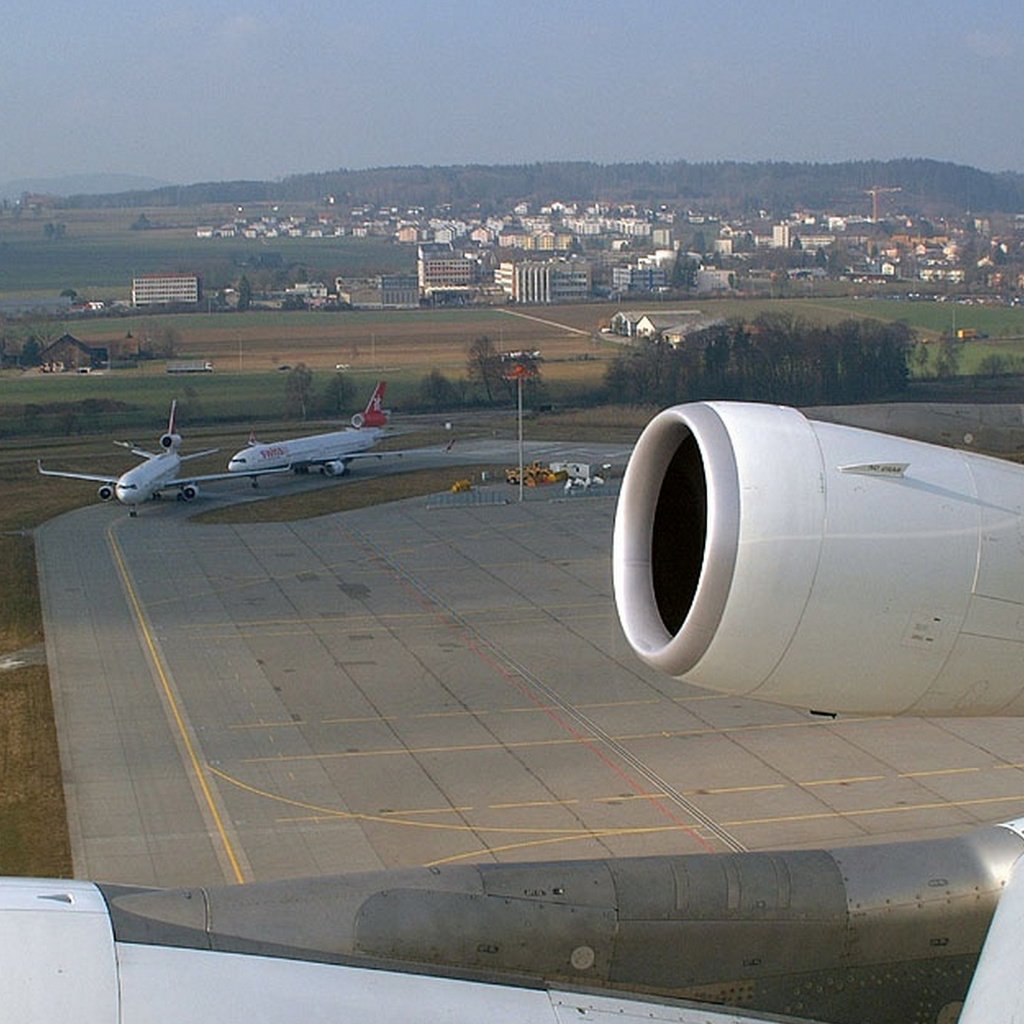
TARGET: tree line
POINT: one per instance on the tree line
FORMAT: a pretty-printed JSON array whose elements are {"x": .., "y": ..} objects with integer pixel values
[{"x": 774, "y": 358}]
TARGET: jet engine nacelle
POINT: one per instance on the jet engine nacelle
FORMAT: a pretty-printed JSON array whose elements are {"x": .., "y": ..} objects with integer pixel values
[
  {"x": 189, "y": 492},
  {"x": 335, "y": 468},
  {"x": 105, "y": 492},
  {"x": 170, "y": 441},
  {"x": 825, "y": 567},
  {"x": 358, "y": 420}
]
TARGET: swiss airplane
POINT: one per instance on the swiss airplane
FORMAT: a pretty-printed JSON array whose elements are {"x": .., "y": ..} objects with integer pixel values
[
  {"x": 330, "y": 453},
  {"x": 160, "y": 471},
  {"x": 754, "y": 550}
]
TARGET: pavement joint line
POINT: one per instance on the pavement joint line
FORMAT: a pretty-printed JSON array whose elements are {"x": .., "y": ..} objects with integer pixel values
[
  {"x": 624, "y": 755},
  {"x": 171, "y": 702}
]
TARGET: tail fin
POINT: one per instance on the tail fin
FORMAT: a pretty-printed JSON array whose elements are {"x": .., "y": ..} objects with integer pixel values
[
  {"x": 171, "y": 418},
  {"x": 374, "y": 415}
]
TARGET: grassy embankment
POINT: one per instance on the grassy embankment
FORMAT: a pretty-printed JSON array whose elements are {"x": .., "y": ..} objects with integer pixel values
[{"x": 33, "y": 829}]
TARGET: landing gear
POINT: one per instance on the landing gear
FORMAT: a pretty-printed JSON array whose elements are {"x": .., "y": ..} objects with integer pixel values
[{"x": 132, "y": 511}]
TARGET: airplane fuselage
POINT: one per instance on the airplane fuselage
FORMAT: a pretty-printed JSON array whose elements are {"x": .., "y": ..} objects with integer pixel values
[
  {"x": 305, "y": 451},
  {"x": 141, "y": 482}
]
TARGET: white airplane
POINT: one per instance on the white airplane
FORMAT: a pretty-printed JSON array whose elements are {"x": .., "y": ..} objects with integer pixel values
[
  {"x": 330, "y": 453},
  {"x": 159, "y": 472}
]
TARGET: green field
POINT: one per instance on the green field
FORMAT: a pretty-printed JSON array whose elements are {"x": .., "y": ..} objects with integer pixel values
[
  {"x": 936, "y": 318},
  {"x": 100, "y": 253}
]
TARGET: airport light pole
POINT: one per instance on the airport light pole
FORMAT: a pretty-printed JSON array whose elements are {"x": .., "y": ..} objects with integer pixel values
[{"x": 520, "y": 372}]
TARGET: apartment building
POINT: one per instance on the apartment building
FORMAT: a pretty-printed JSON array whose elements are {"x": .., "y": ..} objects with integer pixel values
[
  {"x": 439, "y": 268},
  {"x": 639, "y": 278}
]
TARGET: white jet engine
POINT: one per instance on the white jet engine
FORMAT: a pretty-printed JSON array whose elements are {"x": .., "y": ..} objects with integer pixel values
[
  {"x": 335, "y": 468},
  {"x": 824, "y": 567},
  {"x": 170, "y": 441},
  {"x": 105, "y": 492},
  {"x": 189, "y": 492}
]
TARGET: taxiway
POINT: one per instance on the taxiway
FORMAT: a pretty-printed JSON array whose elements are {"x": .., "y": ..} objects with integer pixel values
[{"x": 434, "y": 682}]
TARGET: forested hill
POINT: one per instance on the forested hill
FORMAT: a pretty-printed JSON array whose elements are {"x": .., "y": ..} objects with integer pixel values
[{"x": 928, "y": 187}]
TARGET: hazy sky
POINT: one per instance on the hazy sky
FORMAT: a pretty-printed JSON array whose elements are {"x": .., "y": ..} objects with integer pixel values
[{"x": 223, "y": 89}]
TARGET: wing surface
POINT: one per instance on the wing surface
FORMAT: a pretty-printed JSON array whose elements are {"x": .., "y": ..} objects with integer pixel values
[
  {"x": 997, "y": 992},
  {"x": 94, "y": 477},
  {"x": 181, "y": 481},
  {"x": 352, "y": 456}
]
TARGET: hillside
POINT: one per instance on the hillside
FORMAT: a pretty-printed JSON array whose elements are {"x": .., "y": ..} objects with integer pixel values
[{"x": 928, "y": 187}]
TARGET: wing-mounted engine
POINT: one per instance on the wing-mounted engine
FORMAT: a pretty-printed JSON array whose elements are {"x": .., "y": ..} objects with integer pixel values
[
  {"x": 105, "y": 492},
  {"x": 188, "y": 492},
  {"x": 336, "y": 467},
  {"x": 758, "y": 552}
]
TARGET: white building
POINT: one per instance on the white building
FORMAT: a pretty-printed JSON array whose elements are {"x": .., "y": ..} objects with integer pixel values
[
  {"x": 439, "y": 268},
  {"x": 712, "y": 280},
  {"x": 166, "y": 289},
  {"x": 545, "y": 281}
]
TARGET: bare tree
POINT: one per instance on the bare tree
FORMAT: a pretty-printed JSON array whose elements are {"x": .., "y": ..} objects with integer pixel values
[
  {"x": 483, "y": 366},
  {"x": 298, "y": 390},
  {"x": 337, "y": 396}
]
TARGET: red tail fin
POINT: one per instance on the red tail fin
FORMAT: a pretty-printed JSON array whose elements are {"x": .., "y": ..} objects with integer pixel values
[{"x": 374, "y": 415}]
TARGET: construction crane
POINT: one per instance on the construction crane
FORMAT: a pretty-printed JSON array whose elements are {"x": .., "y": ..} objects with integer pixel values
[{"x": 875, "y": 192}]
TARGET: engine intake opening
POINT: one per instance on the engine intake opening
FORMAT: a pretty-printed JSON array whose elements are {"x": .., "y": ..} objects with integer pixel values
[{"x": 679, "y": 535}]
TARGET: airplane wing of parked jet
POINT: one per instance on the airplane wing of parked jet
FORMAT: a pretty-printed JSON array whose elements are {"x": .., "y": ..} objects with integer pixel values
[{"x": 97, "y": 478}]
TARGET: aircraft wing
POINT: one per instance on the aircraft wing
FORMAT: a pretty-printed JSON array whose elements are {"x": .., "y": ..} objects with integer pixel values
[
  {"x": 65, "y": 958},
  {"x": 199, "y": 455},
  {"x": 182, "y": 481},
  {"x": 94, "y": 477},
  {"x": 996, "y": 993},
  {"x": 352, "y": 456}
]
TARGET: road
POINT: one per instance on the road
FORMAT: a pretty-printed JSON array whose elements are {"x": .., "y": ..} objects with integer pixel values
[{"x": 432, "y": 682}]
